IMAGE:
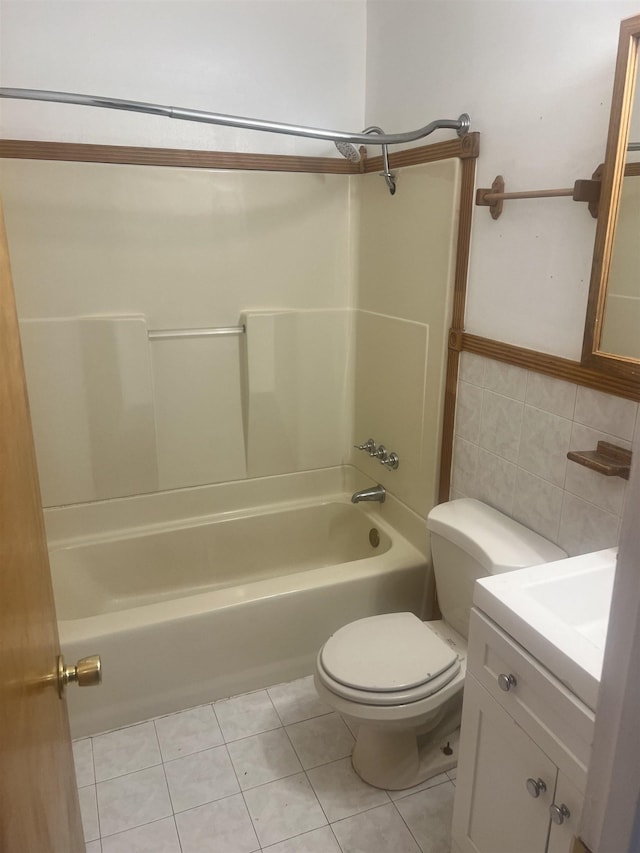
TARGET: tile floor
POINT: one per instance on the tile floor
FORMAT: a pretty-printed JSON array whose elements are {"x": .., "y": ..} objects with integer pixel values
[{"x": 268, "y": 770}]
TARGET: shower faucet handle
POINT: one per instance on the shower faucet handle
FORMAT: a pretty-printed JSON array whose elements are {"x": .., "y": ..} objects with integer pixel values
[
  {"x": 369, "y": 446},
  {"x": 391, "y": 460}
]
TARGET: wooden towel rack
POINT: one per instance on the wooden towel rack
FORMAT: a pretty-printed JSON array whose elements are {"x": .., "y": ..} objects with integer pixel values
[{"x": 494, "y": 196}]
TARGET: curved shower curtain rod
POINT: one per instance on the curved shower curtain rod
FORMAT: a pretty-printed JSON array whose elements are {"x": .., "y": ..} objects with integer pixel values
[{"x": 460, "y": 125}]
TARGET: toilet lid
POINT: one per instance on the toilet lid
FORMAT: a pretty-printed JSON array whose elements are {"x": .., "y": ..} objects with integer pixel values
[{"x": 388, "y": 653}]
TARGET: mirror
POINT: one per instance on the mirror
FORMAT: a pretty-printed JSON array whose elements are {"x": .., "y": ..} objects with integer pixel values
[{"x": 612, "y": 328}]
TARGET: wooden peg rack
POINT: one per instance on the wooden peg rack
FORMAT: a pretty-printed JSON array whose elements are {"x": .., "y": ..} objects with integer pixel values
[{"x": 494, "y": 196}]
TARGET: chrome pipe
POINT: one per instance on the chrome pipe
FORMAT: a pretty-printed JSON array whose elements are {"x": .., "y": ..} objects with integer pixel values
[{"x": 460, "y": 125}]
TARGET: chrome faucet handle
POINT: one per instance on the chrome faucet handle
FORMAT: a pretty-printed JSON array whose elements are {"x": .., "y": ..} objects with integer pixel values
[
  {"x": 391, "y": 460},
  {"x": 369, "y": 445},
  {"x": 381, "y": 453}
]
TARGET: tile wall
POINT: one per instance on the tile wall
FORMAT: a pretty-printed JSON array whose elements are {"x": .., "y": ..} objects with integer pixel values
[{"x": 513, "y": 430}]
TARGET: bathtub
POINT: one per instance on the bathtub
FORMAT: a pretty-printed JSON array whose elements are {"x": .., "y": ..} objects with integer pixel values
[{"x": 187, "y": 610}]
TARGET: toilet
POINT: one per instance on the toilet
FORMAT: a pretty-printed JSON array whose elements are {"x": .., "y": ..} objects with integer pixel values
[{"x": 397, "y": 680}]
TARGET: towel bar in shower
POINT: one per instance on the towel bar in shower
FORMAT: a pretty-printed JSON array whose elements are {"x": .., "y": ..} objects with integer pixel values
[{"x": 217, "y": 331}]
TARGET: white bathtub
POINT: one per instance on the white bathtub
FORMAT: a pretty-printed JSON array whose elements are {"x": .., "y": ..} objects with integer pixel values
[{"x": 186, "y": 611}]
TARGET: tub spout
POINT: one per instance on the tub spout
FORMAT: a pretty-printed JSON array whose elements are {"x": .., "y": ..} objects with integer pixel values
[{"x": 376, "y": 493}]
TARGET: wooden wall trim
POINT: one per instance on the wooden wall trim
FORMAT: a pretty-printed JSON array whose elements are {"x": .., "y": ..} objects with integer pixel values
[
  {"x": 467, "y": 188},
  {"x": 465, "y": 148},
  {"x": 189, "y": 158},
  {"x": 553, "y": 365}
]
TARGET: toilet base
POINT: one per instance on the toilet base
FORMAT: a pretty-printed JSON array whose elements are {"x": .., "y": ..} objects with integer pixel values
[{"x": 395, "y": 760}]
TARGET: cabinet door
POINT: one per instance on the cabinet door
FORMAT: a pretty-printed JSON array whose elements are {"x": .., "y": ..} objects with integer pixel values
[
  {"x": 562, "y": 834},
  {"x": 494, "y": 812}
]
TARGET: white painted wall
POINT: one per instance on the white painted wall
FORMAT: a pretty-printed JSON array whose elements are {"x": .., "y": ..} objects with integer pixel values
[
  {"x": 298, "y": 61},
  {"x": 536, "y": 77}
]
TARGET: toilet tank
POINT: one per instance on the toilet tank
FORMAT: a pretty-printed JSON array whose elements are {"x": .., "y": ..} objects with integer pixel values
[{"x": 470, "y": 540}]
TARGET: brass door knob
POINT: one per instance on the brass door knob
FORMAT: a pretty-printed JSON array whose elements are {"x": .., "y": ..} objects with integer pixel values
[{"x": 87, "y": 673}]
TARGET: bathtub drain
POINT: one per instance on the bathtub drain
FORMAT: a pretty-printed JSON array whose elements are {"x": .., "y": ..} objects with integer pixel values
[{"x": 374, "y": 537}]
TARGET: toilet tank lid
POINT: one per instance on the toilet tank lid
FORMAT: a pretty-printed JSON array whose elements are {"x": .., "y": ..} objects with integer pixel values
[{"x": 496, "y": 541}]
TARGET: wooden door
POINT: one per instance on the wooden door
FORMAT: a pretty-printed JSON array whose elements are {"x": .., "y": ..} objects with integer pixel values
[{"x": 39, "y": 810}]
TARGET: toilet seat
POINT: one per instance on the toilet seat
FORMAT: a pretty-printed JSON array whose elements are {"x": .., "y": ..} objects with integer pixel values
[{"x": 392, "y": 659}]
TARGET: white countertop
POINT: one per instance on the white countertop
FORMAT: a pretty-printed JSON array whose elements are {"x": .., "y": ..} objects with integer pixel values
[{"x": 559, "y": 612}]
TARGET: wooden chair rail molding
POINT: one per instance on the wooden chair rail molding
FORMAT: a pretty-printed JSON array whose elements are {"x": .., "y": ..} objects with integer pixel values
[{"x": 551, "y": 365}]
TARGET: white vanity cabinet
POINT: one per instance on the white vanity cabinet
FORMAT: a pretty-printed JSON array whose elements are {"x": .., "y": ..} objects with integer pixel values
[{"x": 524, "y": 751}]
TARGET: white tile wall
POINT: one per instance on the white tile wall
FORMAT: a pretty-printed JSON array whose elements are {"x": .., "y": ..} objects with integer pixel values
[{"x": 513, "y": 430}]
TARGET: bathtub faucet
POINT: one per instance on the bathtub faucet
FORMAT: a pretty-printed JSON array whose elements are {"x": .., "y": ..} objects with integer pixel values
[{"x": 375, "y": 493}]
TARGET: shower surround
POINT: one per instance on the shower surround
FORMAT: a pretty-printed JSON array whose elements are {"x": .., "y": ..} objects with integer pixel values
[{"x": 344, "y": 293}]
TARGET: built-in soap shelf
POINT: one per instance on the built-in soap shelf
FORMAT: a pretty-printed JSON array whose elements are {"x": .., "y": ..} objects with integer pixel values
[{"x": 607, "y": 459}]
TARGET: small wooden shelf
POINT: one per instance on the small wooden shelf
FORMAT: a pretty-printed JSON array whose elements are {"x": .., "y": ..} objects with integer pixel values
[{"x": 607, "y": 459}]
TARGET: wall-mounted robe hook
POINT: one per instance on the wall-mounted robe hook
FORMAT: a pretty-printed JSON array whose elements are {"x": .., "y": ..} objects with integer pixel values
[{"x": 494, "y": 196}]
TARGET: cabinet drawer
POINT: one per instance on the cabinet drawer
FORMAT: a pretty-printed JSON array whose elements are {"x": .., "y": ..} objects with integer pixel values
[{"x": 536, "y": 700}]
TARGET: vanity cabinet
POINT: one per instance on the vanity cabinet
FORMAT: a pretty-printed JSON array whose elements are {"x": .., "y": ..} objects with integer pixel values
[{"x": 524, "y": 751}]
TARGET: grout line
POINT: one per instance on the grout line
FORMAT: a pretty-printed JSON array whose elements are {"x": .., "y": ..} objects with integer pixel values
[
  {"x": 431, "y": 788},
  {"x": 137, "y": 826},
  {"x": 95, "y": 783},
  {"x": 315, "y": 794},
  {"x": 175, "y": 823},
  {"x": 399, "y": 813},
  {"x": 129, "y": 772},
  {"x": 166, "y": 782},
  {"x": 244, "y": 800},
  {"x": 340, "y": 847}
]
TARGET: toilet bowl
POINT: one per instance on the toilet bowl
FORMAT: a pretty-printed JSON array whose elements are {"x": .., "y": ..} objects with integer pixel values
[
  {"x": 417, "y": 688},
  {"x": 397, "y": 680}
]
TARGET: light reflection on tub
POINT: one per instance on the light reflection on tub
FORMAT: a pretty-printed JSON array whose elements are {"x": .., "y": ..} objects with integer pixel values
[{"x": 189, "y": 612}]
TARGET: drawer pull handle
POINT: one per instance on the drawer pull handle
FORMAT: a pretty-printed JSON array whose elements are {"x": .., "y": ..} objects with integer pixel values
[
  {"x": 559, "y": 813},
  {"x": 506, "y": 682},
  {"x": 535, "y": 787}
]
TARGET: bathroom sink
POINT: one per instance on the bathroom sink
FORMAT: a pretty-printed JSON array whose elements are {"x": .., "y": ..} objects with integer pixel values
[{"x": 559, "y": 612}]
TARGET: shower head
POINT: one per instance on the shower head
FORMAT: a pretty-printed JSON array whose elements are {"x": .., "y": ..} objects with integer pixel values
[{"x": 347, "y": 150}]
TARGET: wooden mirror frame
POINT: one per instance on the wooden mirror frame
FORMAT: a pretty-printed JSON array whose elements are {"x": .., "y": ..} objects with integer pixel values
[{"x": 612, "y": 175}]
